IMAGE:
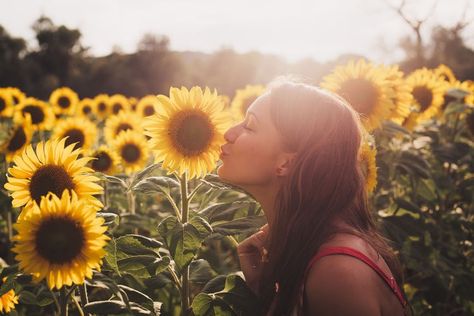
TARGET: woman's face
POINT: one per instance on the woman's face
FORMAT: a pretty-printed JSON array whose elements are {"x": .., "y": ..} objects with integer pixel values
[{"x": 253, "y": 151}]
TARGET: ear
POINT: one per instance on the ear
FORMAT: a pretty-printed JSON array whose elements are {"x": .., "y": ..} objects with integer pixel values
[{"x": 284, "y": 164}]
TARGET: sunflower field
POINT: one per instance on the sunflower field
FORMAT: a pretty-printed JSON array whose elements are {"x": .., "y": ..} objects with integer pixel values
[{"x": 111, "y": 205}]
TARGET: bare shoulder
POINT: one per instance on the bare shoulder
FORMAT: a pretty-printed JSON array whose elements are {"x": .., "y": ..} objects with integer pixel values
[{"x": 341, "y": 285}]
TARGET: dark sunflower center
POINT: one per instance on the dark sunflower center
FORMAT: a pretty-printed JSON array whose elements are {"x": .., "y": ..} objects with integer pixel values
[
  {"x": 116, "y": 108},
  {"x": 247, "y": 102},
  {"x": 64, "y": 102},
  {"x": 3, "y": 104},
  {"x": 423, "y": 96},
  {"x": 18, "y": 140},
  {"x": 130, "y": 153},
  {"x": 101, "y": 107},
  {"x": 191, "y": 132},
  {"x": 49, "y": 178},
  {"x": 59, "y": 240},
  {"x": 149, "y": 110},
  {"x": 122, "y": 127},
  {"x": 37, "y": 114},
  {"x": 86, "y": 109},
  {"x": 16, "y": 100},
  {"x": 102, "y": 163},
  {"x": 361, "y": 94},
  {"x": 75, "y": 135}
]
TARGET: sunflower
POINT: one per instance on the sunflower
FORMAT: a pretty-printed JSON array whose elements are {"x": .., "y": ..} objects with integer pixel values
[
  {"x": 19, "y": 137},
  {"x": 7, "y": 300},
  {"x": 64, "y": 101},
  {"x": 366, "y": 88},
  {"x": 6, "y": 103},
  {"x": 369, "y": 168},
  {"x": 243, "y": 99},
  {"x": 102, "y": 106},
  {"x": 402, "y": 98},
  {"x": 132, "y": 148},
  {"x": 187, "y": 130},
  {"x": 118, "y": 103},
  {"x": 79, "y": 131},
  {"x": 104, "y": 160},
  {"x": 428, "y": 91},
  {"x": 147, "y": 105},
  {"x": 61, "y": 241},
  {"x": 133, "y": 103},
  {"x": 85, "y": 107},
  {"x": 17, "y": 95},
  {"x": 411, "y": 121},
  {"x": 52, "y": 167},
  {"x": 445, "y": 73},
  {"x": 42, "y": 116},
  {"x": 121, "y": 122}
]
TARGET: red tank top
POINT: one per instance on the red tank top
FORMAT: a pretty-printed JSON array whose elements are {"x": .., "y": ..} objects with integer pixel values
[{"x": 390, "y": 281}]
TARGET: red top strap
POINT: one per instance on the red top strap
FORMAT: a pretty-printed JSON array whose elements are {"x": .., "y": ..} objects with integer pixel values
[{"x": 359, "y": 255}]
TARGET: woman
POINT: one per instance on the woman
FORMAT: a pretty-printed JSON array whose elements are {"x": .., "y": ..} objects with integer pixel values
[{"x": 296, "y": 153}]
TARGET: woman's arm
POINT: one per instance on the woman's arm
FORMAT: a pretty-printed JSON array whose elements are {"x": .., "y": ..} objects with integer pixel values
[{"x": 341, "y": 285}]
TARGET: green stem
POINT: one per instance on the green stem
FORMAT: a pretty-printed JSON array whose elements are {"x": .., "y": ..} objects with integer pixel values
[
  {"x": 185, "y": 273},
  {"x": 78, "y": 306},
  {"x": 106, "y": 195},
  {"x": 63, "y": 302},
  {"x": 83, "y": 295}
]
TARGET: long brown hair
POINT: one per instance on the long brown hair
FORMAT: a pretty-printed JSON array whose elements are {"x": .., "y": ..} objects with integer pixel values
[{"x": 325, "y": 182}]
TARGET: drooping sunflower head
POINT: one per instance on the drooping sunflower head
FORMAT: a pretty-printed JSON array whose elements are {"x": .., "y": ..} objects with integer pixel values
[
  {"x": 368, "y": 166},
  {"x": 367, "y": 90},
  {"x": 243, "y": 99},
  {"x": 7, "y": 300},
  {"x": 102, "y": 106},
  {"x": 78, "y": 131},
  {"x": 118, "y": 103},
  {"x": 187, "y": 130},
  {"x": 17, "y": 95},
  {"x": 62, "y": 240},
  {"x": 51, "y": 167},
  {"x": 428, "y": 91},
  {"x": 64, "y": 101},
  {"x": 19, "y": 138},
  {"x": 104, "y": 160},
  {"x": 42, "y": 115},
  {"x": 132, "y": 148},
  {"x": 147, "y": 105},
  {"x": 121, "y": 122},
  {"x": 6, "y": 103},
  {"x": 85, "y": 107},
  {"x": 445, "y": 73}
]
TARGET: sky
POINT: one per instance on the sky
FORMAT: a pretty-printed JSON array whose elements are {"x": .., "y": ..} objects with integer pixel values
[{"x": 296, "y": 29}]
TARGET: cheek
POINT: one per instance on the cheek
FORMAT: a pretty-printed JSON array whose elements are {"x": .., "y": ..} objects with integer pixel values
[{"x": 251, "y": 162}]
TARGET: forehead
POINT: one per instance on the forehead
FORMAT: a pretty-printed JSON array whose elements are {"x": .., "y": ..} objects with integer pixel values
[{"x": 261, "y": 107}]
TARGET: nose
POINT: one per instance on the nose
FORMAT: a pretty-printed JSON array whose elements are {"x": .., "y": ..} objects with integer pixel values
[{"x": 232, "y": 133}]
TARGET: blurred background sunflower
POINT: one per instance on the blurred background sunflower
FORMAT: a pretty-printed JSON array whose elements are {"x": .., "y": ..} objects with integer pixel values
[
  {"x": 19, "y": 137},
  {"x": 146, "y": 106},
  {"x": 64, "y": 101},
  {"x": 7, "y": 299},
  {"x": 366, "y": 88},
  {"x": 368, "y": 165},
  {"x": 104, "y": 160},
  {"x": 102, "y": 106},
  {"x": 79, "y": 131},
  {"x": 61, "y": 241},
  {"x": 132, "y": 148},
  {"x": 42, "y": 115},
  {"x": 243, "y": 99},
  {"x": 118, "y": 103},
  {"x": 123, "y": 121},
  {"x": 187, "y": 130},
  {"x": 6, "y": 103}
]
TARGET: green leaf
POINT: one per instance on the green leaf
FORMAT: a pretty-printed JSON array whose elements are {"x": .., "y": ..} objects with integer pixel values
[
  {"x": 116, "y": 180},
  {"x": 143, "y": 266},
  {"x": 242, "y": 225},
  {"x": 156, "y": 184},
  {"x": 137, "y": 245},
  {"x": 111, "y": 255},
  {"x": 145, "y": 172},
  {"x": 183, "y": 241},
  {"x": 112, "y": 220},
  {"x": 201, "y": 271},
  {"x": 105, "y": 307}
]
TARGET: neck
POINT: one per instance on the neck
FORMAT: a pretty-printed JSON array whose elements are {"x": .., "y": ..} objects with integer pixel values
[{"x": 266, "y": 196}]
